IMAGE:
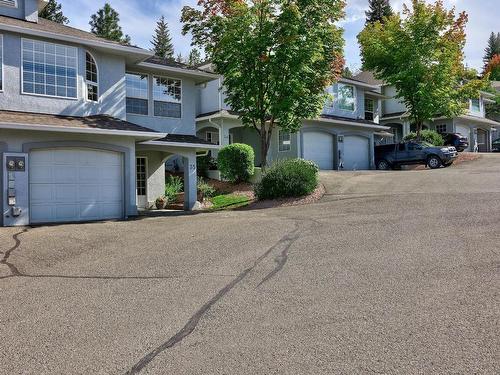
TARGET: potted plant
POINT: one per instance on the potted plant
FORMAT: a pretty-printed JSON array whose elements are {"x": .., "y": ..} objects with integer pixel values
[{"x": 160, "y": 203}]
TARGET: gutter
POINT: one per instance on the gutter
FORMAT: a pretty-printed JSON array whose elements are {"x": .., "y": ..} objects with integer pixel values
[
  {"x": 195, "y": 73},
  {"x": 180, "y": 144},
  {"x": 351, "y": 123}
]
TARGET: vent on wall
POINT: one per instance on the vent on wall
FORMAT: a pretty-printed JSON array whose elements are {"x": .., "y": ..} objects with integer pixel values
[{"x": 8, "y": 3}]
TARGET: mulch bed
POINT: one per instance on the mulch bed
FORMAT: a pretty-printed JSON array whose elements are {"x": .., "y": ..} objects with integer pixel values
[{"x": 315, "y": 196}]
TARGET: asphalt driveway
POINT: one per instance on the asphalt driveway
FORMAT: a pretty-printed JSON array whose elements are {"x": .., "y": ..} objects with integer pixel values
[{"x": 391, "y": 272}]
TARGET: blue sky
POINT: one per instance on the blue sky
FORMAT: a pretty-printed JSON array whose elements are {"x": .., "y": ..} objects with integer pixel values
[{"x": 138, "y": 18}]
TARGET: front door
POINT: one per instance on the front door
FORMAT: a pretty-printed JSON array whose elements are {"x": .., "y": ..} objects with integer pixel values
[
  {"x": 482, "y": 137},
  {"x": 141, "y": 165}
]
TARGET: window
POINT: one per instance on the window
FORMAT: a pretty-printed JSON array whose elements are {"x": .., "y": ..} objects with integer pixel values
[
  {"x": 1, "y": 62},
  {"x": 49, "y": 69},
  {"x": 91, "y": 77},
  {"x": 346, "y": 97},
  {"x": 369, "y": 109},
  {"x": 212, "y": 137},
  {"x": 8, "y": 3},
  {"x": 137, "y": 88},
  {"x": 284, "y": 141},
  {"x": 167, "y": 95},
  {"x": 441, "y": 128},
  {"x": 141, "y": 178},
  {"x": 475, "y": 105}
]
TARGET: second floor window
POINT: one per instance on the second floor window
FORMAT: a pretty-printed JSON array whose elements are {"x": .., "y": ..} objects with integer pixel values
[
  {"x": 49, "y": 69},
  {"x": 369, "y": 109},
  {"x": 137, "y": 88},
  {"x": 475, "y": 105},
  {"x": 346, "y": 97},
  {"x": 284, "y": 140},
  {"x": 167, "y": 96},
  {"x": 91, "y": 78}
]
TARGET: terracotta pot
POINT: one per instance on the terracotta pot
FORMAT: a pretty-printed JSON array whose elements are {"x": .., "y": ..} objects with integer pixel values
[{"x": 160, "y": 204}]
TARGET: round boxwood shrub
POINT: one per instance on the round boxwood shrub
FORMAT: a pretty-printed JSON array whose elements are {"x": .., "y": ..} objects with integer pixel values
[
  {"x": 288, "y": 178},
  {"x": 430, "y": 136},
  {"x": 236, "y": 162}
]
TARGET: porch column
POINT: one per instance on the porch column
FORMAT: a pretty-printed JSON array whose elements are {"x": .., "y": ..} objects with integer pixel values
[
  {"x": 224, "y": 135},
  {"x": 406, "y": 128},
  {"x": 190, "y": 180}
]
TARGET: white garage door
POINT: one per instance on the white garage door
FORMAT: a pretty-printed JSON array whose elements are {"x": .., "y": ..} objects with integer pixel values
[
  {"x": 356, "y": 153},
  {"x": 318, "y": 147},
  {"x": 70, "y": 184}
]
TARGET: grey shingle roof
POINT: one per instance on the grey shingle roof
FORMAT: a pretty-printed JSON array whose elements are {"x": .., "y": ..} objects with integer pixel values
[
  {"x": 184, "y": 138},
  {"x": 340, "y": 118},
  {"x": 174, "y": 64},
  {"x": 367, "y": 76},
  {"x": 103, "y": 122}
]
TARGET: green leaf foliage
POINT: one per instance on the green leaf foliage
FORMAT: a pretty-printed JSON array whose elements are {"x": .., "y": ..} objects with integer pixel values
[
  {"x": 236, "y": 162},
  {"x": 420, "y": 53},
  {"x": 106, "y": 24},
  {"x": 430, "y": 136},
  {"x": 276, "y": 57},
  {"x": 53, "y": 12},
  {"x": 288, "y": 178}
]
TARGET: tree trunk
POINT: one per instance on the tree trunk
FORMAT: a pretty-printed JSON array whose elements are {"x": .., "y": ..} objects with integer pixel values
[
  {"x": 418, "y": 126},
  {"x": 265, "y": 135}
]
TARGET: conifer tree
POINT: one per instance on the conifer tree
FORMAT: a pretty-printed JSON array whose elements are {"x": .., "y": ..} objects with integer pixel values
[
  {"x": 106, "y": 23},
  {"x": 162, "y": 42}
]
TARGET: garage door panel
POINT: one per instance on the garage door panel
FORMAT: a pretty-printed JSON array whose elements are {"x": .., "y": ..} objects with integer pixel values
[
  {"x": 318, "y": 147},
  {"x": 356, "y": 153},
  {"x": 75, "y": 185}
]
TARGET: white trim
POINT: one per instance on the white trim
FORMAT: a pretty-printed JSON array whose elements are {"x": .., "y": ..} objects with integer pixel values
[
  {"x": 72, "y": 39},
  {"x": 213, "y": 135},
  {"x": 172, "y": 69},
  {"x": 354, "y": 94},
  {"x": 87, "y": 82},
  {"x": 357, "y": 83},
  {"x": 77, "y": 77},
  {"x": 165, "y": 101},
  {"x": 399, "y": 117},
  {"x": 351, "y": 123},
  {"x": 180, "y": 144},
  {"x": 145, "y": 178},
  {"x": 2, "y": 66},
  {"x": 219, "y": 114},
  {"x": 63, "y": 129}
]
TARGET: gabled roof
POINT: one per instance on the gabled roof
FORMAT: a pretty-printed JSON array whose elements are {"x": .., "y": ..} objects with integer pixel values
[
  {"x": 173, "y": 64},
  {"x": 97, "y": 124},
  {"x": 368, "y": 77}
]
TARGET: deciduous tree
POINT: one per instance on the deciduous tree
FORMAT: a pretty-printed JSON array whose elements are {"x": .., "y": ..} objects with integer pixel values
[
  {"x": 420, "y": 53},
  {"x": 106, "y": 23},
  {"x": 276, "y": 57},
  {"x": 493, "y": 68}
]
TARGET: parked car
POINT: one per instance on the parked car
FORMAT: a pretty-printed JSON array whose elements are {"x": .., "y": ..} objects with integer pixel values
[
  {"x": 456, "y": 140},
  {"x": 495, "y": 145},
  {"x": 412, "y": 152}
]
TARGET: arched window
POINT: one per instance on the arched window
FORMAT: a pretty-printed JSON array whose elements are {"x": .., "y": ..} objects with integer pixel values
[{"x": 91, "y": 77}]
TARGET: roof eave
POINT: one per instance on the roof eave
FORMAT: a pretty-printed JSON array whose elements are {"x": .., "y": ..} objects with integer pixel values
[
  {"x": 358, "y": 83},
  {"x": 351, "y": 123},
  {"x": 221, "y": 114},
  {"x": 198, "y": 146},
  {"x": 141, "y": 135},
  {"x": 203, "y": 76}
]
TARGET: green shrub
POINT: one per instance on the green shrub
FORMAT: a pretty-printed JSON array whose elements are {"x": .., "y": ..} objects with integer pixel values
[
  {"x": 288, "y": 178},
  {"x": 173, "y": 186},
  {"x": 204, "y": 189},
  {"x": 430, "y": 136},
  {"x": 236, "y": 162}
]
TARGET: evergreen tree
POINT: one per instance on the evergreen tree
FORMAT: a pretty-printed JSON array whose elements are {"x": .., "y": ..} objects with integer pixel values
[
  {"x": 53, "y": 12},
  {"x": 347, "y": 73},
  {"x": 105, "y": 23},
  {"x": 493, "y": 48},
  {"x": 194, "y": 57},
  {"x": 378, "y": 10},
  {"x": 179, "y": 58},
  {"x": 162, "y": 42}
]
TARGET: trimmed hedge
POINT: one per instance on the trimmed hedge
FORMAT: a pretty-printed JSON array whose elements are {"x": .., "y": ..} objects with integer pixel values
[
  {"x": 236, "y": 162},
  {"x": 430, "y": 136},
  {"x": 288, "y": 178}
]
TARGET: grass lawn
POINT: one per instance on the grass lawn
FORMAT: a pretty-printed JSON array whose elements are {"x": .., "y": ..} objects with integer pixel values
[{"x": 229, "y": 201}]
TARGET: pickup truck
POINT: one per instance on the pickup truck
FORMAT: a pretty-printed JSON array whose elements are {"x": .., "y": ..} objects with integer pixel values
[{"x": 393, "y": 156}]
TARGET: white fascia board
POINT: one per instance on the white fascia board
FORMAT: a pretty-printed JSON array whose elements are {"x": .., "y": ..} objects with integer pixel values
[
  {"x": 376, "y": 95},
  {"x": 358, "y": 83},
  {"x": 400, "y": 117},
  {"x": 352, "y": 123},
  {"x": 221, "y": 114},
  {"x": 144, "y": 54},
  {"x": 481, "y": 120},
  {"x": 171, "y": 69},
  {"x": 181, "y": 144},
  {"x": 62, "y": 129}
]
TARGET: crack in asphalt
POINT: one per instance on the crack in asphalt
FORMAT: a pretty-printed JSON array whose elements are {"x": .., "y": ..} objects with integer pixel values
[
  {"x": 193, "y": 321},
  {"x": 13, "y": 269}
]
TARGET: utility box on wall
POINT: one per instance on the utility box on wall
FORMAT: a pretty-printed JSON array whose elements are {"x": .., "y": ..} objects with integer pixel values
[{"x": 15, "y": 191}]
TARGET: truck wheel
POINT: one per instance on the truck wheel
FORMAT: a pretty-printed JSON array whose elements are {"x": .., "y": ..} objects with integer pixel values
[
  {"x": 383, "y": 165},
  {"x": 434, "y": 162}
]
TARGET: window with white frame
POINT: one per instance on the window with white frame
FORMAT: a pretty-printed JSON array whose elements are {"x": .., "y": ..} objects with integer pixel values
[
  {"x": 137, "y": 87},
  {"x": 441, "y": 128},
  {"x": 284, "y": 141},
  {"x": 141, "y": 178},
  {"x": 167, "y": 96},
  {"x": 475, "y": 105},
  {"x": 91, "y": 78},
  {"x": 346, "y": 97},
  {"x": 212, "y": 137},
  {"x": 1, "y": 62},
  {"x": 49, "y": 69},
  {"x": 369, "y": 109}
]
